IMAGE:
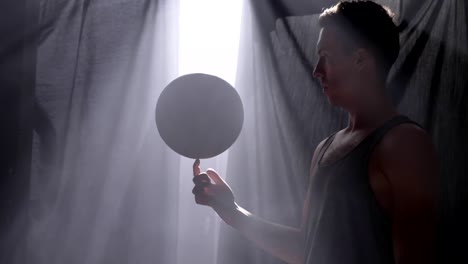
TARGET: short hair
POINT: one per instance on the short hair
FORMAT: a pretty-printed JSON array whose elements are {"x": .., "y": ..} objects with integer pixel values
[{"x": 366, "y": 24}]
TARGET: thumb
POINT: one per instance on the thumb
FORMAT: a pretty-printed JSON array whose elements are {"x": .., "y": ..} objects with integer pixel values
[{"x": 215, "y": 177}]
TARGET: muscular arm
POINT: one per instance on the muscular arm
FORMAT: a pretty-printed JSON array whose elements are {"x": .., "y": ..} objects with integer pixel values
[
  {"x": 408, "y": 160},
  {"x": 281, "y": 241}
]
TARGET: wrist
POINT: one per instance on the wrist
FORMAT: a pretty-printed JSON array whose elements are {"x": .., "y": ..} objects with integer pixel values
[{"x": 232, "y": 214}]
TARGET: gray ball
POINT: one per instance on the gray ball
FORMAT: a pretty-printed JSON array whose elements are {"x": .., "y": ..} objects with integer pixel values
[{"x": 199, "y": 115}]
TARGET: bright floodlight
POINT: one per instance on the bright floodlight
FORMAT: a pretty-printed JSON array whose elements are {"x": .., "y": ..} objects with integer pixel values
[{"x": 209, "y": 33}]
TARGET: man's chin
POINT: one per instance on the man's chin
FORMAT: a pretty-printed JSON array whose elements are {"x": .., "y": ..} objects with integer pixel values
[{"x": 331, "y": 99}]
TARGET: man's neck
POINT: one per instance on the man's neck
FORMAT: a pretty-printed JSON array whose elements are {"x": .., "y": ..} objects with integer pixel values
[{"x": 374, "y": 112}]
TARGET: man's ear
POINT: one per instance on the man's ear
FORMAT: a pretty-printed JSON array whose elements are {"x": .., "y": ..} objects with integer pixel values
[{"x": 361, "y": 59}]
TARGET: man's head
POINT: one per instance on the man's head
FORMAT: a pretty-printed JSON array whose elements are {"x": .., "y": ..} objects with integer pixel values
[{"x": 358, "y": 44}]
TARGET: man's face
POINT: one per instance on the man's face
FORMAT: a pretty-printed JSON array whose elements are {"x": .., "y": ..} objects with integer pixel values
[{"x": 335, "y": 68}]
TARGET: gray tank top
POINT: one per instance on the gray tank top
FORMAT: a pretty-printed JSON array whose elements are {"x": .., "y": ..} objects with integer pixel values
[{"x": 345, "y": 223}]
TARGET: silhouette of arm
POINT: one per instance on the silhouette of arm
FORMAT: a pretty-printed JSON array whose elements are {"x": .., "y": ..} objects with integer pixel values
[{"x": 408, "y": 159}]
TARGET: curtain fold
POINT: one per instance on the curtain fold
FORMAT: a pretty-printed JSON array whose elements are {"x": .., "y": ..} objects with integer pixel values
[
  {"x": 108, "y": 195},
  {"x": 265, "y": 169},
  {"x": 288, "y": 116},
  {"x": 106, "y": 189},
  {"x": 430, "y": 77}
]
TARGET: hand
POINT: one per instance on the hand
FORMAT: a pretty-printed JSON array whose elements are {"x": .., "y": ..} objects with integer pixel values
[{"x": 217, "y": 195}]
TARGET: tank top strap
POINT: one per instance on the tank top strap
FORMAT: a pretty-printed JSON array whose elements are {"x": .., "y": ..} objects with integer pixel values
[
  {"x": 374, "y": 138},
  {"x": 325, "y": 146}
]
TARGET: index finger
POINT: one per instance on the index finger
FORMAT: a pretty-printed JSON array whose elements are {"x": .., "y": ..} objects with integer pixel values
[{"x": 196, "y": 167}]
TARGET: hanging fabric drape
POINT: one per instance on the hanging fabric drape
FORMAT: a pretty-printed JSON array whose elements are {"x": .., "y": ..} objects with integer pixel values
[
  {"x": 427, "y": 83},
  {"x": 100, "y": 68},
  {"x": 105, "y": 188},
  {"x": 430, "y": 81}
]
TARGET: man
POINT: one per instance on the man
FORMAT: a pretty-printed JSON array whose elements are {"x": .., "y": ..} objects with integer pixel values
[{"x": 372, "y": 191}]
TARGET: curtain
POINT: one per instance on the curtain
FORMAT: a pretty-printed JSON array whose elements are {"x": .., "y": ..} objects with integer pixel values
[
  {"x": 289, "y": 116},
  {"x": 430, "y": 78},
  {"x": 102, "y": 188}
]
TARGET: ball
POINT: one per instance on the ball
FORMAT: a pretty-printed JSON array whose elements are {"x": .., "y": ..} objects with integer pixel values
[{"x": 199, "y": 115}]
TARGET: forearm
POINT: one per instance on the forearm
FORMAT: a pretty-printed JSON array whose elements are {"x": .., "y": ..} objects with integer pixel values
[{"x": 281, "y": 241}]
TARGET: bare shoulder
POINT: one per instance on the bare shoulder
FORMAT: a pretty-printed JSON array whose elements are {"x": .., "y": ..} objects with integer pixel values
[
  {"x": 407, "y": 158},
  {"x": 406, "y": 143},
  {"x": 407, "y": 133}
]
